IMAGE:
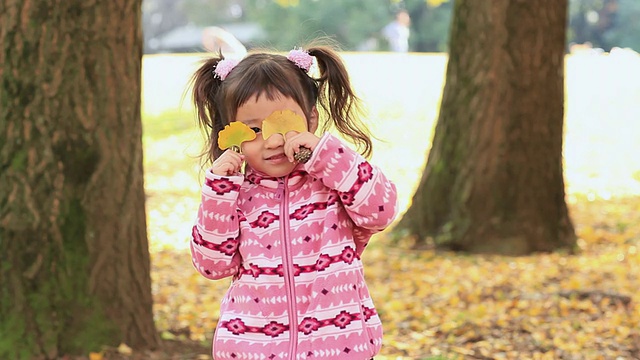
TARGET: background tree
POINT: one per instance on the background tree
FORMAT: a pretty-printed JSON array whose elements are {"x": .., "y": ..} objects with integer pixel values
[
  {"x": 75, "y": 265},
  {"x": 493, "y": 182}
]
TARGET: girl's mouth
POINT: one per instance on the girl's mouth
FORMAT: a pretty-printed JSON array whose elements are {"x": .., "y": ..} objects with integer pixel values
[{"x": 276, "y": 157}]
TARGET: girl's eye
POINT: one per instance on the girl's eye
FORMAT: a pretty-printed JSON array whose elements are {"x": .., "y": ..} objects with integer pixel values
[{"x": 256, "y": 129}]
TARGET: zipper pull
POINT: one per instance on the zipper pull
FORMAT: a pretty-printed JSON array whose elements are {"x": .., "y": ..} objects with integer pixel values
[{"x": 280, "y": 190}]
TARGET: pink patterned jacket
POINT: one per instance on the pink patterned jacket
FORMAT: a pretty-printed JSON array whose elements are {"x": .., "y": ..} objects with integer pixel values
[{"x": 293, "y": 246}]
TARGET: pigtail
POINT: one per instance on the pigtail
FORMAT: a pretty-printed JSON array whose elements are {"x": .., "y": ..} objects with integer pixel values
[
  {"x": 337, "y": 98},
  {"x": 205, "y": 86}
]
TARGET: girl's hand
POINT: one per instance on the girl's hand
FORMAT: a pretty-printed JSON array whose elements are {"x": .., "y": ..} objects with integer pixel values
[
  {"x": 294, "y": 141},
  {"x": 229, "y": 163}
]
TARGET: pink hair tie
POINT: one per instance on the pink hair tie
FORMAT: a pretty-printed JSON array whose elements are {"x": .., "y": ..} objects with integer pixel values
[
  {"x": 224, "y": 67},
  {"x": 301, "y": 58}
]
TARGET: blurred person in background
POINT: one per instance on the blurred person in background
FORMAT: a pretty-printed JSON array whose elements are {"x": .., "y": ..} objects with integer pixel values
[{"x": 397, "y": 32}]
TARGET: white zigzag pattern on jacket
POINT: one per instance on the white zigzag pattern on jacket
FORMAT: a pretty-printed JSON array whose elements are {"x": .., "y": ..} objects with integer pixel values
[
  {"x": 346, "y": 180},
  {"x": 217, "y": 216},
  {"x": 248, "y": 356},
  {"x": 335, "y": 352},
  {"x": 301, "y": 240},
  {"x": 326, "y": 353},
  {"x": 274, "y": 300}
]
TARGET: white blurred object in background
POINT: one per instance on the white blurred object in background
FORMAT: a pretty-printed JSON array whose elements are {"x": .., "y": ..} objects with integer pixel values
[{"x": 215, "y": 39}]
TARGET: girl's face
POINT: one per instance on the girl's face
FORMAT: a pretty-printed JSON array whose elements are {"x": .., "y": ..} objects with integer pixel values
[{"x": 267, "y": 155}]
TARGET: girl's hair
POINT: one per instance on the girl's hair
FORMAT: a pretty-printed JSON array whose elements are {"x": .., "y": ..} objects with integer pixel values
[{"x": 271, "y": 74}]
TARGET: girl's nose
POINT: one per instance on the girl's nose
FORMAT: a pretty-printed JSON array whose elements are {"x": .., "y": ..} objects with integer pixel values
[{"x": 274, "y": 141}]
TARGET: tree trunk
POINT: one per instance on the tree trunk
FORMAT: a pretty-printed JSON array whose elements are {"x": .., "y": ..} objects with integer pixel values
[
  {"x": 75, "y": 265},
  {"x": 493, "y": 182}
]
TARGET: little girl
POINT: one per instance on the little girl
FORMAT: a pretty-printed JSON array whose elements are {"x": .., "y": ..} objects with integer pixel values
[{"x": 290, "y": 233}]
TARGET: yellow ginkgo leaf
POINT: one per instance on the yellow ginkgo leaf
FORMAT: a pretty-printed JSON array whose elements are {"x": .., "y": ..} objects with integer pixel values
[
  {"x": 281, "y": 122},
  {"x": 234, "y": 134},
  {"x": 124, "y": 349}
]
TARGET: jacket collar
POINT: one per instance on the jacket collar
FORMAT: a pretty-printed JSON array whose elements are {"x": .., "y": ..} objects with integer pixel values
[{"x": 294, "y": 180}]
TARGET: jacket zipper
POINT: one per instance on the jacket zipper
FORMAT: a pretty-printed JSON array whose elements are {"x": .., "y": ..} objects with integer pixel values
[{"x": 287, "y": 266}]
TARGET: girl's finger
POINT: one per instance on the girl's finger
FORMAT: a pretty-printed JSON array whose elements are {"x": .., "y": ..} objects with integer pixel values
[
  {"x": 300, "y": 142},
  {"x": 290, "y": 150},
  {"x": 228, "y": 163},
  {"x": 232, "y": 155}
]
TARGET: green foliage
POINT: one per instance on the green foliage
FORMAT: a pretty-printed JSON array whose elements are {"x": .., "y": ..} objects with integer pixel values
[
  {"x": 207, "y": 12},
  {"x": 350, "y": 23},
  {"x": 627, "y": 27},
  {"x": 354, "y": 24},
  {"x": 604, "y": 23},
  {"x": 430, "y": 22}
]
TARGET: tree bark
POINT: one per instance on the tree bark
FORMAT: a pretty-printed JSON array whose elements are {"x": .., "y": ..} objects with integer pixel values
[
  {"x": 493, "y": 182},
  {"x": 75, "y": 264}
]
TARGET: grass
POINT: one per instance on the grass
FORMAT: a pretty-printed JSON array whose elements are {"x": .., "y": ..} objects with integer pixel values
[{"x": 440, "y": 305}]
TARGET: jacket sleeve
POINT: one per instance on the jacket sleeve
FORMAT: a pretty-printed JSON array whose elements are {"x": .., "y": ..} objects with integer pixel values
[
  {"x": 215, "y": 236},
  {"x": 368, "y": 196}
]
